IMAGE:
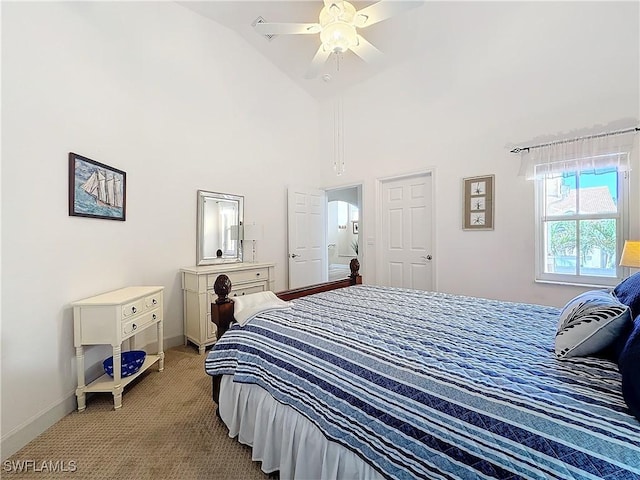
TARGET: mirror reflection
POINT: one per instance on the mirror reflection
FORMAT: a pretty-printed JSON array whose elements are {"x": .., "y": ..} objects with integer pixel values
[{"x": 220, "y": 218}]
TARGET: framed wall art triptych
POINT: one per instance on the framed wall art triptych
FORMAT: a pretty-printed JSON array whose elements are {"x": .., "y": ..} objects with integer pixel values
[{"x": 478, "y": 203}]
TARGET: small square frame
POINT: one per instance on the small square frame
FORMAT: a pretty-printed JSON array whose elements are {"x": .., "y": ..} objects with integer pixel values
[
  {"x": 96, "y": 190},
  {"x": 478, "y": 205}
]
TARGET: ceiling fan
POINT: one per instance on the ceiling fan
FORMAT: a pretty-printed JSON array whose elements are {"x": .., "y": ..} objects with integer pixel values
[{"x": 338, "y": 26}]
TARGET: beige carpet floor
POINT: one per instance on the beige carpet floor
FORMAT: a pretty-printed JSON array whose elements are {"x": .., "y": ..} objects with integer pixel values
[{"x": 166, "y": 429}]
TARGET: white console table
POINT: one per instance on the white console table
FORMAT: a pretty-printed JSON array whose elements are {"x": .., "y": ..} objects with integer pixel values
[
  {"x": 198, "y": 294},
  {"x": 109, "y": 319}
]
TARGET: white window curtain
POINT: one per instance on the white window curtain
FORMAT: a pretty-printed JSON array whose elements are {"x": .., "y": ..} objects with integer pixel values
[{"x": 605, "y": 150}]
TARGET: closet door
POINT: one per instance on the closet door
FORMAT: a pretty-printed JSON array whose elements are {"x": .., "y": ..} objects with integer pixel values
[{"x": 406, "y": 206}]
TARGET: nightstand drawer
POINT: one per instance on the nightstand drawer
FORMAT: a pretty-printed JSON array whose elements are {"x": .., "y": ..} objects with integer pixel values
[{"x": 140, "y": 322}]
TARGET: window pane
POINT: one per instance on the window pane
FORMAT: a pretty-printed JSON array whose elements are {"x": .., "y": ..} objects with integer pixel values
[
  {"x": 599, "y": 191},
  {"x": 560, "y": 194},
  {"x": 598, "y": 247},
  {"x": 561, "y": 247}
]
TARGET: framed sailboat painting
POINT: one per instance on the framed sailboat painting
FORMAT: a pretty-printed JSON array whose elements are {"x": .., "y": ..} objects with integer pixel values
[{"x": 96, "y": 190}]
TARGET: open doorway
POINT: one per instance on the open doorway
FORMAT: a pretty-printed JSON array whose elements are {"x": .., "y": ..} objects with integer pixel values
[{"x": 344, "y": 214}]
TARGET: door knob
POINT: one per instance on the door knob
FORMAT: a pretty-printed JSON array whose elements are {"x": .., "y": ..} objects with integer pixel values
[
  {"x": 294, "y": 255},
  {"x": 426, "y": 257}
]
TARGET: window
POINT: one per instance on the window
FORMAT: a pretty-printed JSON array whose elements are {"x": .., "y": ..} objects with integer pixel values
[
  {"x": 581, "y": 222},
  {"x": 582, "y": 203}
]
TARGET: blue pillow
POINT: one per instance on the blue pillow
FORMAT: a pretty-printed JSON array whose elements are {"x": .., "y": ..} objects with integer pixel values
[
  {"x": 629, "y": 364},
  {"x": 613, "y": 351},
  {"x": 589, "y": 323},
  {"x": 628, "y": 292}
]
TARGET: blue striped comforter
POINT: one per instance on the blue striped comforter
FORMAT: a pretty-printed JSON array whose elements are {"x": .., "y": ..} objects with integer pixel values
[{"x": 430, "y": 385}]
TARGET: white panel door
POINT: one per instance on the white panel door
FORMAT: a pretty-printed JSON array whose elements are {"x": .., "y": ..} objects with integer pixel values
[
  {"x": 307, "y": 237},
  {"x": 406, "y": 211}
]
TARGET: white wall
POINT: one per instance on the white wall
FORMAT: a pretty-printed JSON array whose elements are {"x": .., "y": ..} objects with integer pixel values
[
  {"x": 180, "y": 103},
  {"x": 494, "y": 74},
  {"x": 177, "y": 102}
]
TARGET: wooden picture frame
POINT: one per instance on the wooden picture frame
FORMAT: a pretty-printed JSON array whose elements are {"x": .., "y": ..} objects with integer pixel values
[
  {"x": 478, "y": 203},
  {"x": 96, "y": 190}
]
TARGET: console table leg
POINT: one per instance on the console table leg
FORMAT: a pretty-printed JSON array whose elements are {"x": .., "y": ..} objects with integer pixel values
[
  {"x": 80, "y": 395},
  {"x": 160, "y": 347},
  {"x": 117, "y": 377}
]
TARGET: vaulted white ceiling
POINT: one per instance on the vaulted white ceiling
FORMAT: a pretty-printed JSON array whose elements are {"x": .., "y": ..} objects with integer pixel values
[{"x": 398, "y": 38}]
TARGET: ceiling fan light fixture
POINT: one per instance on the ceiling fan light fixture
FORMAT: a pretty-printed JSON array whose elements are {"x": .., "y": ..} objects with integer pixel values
[
  {"x": 338, "y": 31},
  {"x": 338, "y": 37}
]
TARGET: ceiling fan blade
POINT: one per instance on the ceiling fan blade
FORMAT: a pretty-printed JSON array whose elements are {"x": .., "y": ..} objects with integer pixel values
[
  {"x": 286, "y": 28},
  {"x": 317, "y": 63},
  {"x": 328, "y": 3},
  {"x": 366, "y": 50},
  {"x": 382, "y": 10}
]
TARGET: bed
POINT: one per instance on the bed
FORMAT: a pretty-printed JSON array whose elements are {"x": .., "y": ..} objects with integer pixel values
[{"x": 378, "y": 382}]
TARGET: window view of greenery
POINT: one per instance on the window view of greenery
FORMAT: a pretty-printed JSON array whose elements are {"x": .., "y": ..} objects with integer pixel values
[{"x": 581, "y": 212}]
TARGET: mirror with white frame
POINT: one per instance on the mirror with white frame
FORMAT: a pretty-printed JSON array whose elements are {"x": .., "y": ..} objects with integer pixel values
[{"x": 220, "y": 230}]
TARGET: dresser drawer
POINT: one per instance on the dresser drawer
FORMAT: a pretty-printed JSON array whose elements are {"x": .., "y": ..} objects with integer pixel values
[
  {"x": 237, "y": 292},
  {"x": 140, "y": 322},
  {"x": 241, "y": 276}
]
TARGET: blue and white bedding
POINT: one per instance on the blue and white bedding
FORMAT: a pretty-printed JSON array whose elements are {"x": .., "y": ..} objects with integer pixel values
[{"x": 430, "y": 385}]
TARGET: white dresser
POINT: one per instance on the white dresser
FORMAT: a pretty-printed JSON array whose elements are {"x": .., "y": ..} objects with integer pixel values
[
  {"x": 111, "y": 318},
  {"x": 197, "y": 289}
]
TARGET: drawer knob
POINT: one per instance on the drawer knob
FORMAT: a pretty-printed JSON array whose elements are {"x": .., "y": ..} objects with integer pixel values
[
  {"x": 134, "y": 326},
  {"x": 154, "y": 301},
  {"x": 154, "y": 316},
  {"x": 134, "y": 309},
  {"x": 258, "y": 274}
]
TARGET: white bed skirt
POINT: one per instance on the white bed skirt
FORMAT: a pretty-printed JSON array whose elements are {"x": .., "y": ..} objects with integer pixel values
[{"x": 284, "y": 440}]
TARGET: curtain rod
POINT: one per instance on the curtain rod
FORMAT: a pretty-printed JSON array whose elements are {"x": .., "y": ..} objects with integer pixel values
[{"x": 618, "y": 132}]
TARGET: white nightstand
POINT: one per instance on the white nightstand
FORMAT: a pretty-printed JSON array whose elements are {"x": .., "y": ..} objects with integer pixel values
[{"x": 109, "y": 319}]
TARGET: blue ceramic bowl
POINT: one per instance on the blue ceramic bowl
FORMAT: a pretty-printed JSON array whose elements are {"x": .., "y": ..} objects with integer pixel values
[{"x": 131, "y": 363}]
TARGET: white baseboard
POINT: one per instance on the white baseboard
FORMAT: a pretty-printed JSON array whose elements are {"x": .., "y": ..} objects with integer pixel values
[
  {"x": 23, "y": 434},
  {"x": 173, "y": 342},
  {"x": 20, "y": 436}
]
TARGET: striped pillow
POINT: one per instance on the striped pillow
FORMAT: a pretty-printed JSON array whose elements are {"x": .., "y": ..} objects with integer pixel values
[{"x": 589, "y": 323}]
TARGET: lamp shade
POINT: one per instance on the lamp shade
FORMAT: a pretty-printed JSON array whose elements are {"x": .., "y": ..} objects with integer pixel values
[
  {"x": 630, "y": 254},
  {"x": 253, "y": 232}
]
